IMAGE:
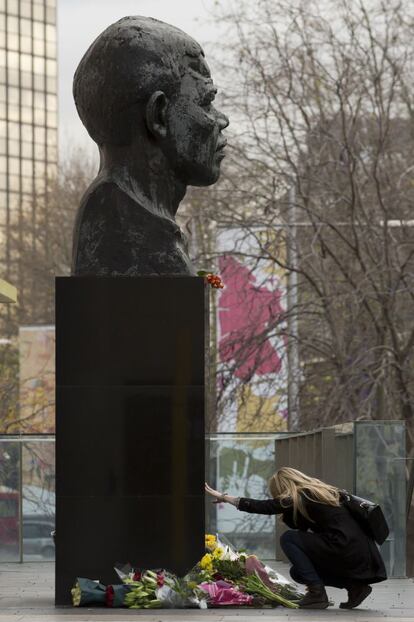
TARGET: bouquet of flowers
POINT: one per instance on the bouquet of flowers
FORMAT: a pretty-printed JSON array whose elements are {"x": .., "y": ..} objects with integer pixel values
[{"x": 223, "y": 577}]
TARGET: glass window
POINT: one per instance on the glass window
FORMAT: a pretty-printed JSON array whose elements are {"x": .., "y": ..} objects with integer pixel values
[
  {"x": 50, "y": 49},
  {"x": 38, "y": 30},
  {"x": 51, "y": 84},
  {"x": 51, "y": 103},
  {"x": 40, "y": 184},
  {"x": 50, "y": 33},
  {"x": 39, "y": 151},
  {"x": 52, "y": 137},
  {"x": 51, "y": 119},
  {"x": 13, "y": 112},
  {"x": 14, "y": 147},
  {"x": 39, "y": 100},
  {"x": 40, "y": 116},
  {"x": 14, "y": 95},
  {"x": 51, "y": 170},
  {"x": 27, "y": 150},
  {"x": 51, "y": 67},
  {"x": 13, "y": 7},
  {"x": 3, "y": 180},
  {"x": 27, "y": 132},
  {"x": 39, "y": 135},
  {"x": 27, "y": 184},
  {"x": 27, "y": 168},
  {"x": 14, "y": 130},
  {"x": 3, "y": 199},
  {"x": 2, "y": 19},
  {"x": 12, "y": 24},
  {"x": 3, "y": 128},
  {"x": 13, "y": 41},
  {"x": 3, "y": 110},
  {"x": 13, "y": 76},
  {"x": 51, "y": 3},
  {"x": 3, "y": 164},
  {"x": 51, "y": 153},
  {"x": 14, "y": 182},
  {"x": 3, "y": 74},
  {"x": 2, "y": 39},
  {"x": 26, "y": 62},
  {"x": 40, "y": 169},
  {"x": 27, "y": 114},
  {"x": 39, "y": 47},
  {"x": 25, "y": 8},
  {"x": 25, "y": 44},
  {"x": 25, "y": 27},
  {"x": 50, "y": 15},
  {"x": 38, "y": 12},
  {"x": 14, "y": 166},
  {"x": 3, "y": 58},
  {"x": 3, "y": 93},
  {"x": 39, "y": 82},
  {"x": 27, "y": 97},
  {"x": 3, "y": 144},
  {"x": 13, "y": 60},
  {"x": 26, "y": 79},
  {"x": 14, "y": 201}
]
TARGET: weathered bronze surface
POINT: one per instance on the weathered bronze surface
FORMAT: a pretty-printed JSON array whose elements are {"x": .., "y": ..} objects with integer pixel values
[{"x": 144, "y": 92}]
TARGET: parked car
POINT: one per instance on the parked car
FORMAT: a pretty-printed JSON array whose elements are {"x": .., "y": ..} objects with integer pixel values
[{"x": 37, "y": 538}]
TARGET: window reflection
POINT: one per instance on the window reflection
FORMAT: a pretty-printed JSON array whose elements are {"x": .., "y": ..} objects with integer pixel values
[
  {"x": 13, "y": 112},
  {"x": 50, "y": 15},
  {"x": 14, "y": 182},
  {"x": 13, "y": 76},
  {"x": 26, "y": 62},
  {"x": 38, "y": 30},
  {"x": 3, "y": 180},
  {"x": 27, "y": 132},
  {"x": 27, "y": 184},
  {"x": 27, "y": 168},
  {"x": 2, "y": 145},
  {"x": 12, "y": 24},
  {"x": 26, "y": 27},
  {"x": 39, "y": 151},
  {"x": 13, "y": 95},
  {"x": 25, "y": 44},
  {"x": 27, "y": 114},
  {"x": 51, "y": 84},
  {"x": 51, "y": 67},
  {"x": 38, "y": 12},
  {"x": 14, "y": 130},
  {"x": 3, "y": 164},
  {"x": 13, "y": 41},
  {"x": 25, "y": 8},
  {"x": 13, "y": 7},
  {"x": 26, "y": 79},
  {"x": 3, "y": 93},
  {"x": 40, "y": 116},
  {"x": 39, "y": 47},
  {"x": 39, "y": 135},
  {"x": 39, "y": 82},
  {"x": 14, "y": 147},
  {"x": 14, "y": 166},
  {"x": 2, "y": 110},
  {"x": 27, "y": 150},
  {"x": 51, "y": 103},
  {"x": 39, "y": 100}
]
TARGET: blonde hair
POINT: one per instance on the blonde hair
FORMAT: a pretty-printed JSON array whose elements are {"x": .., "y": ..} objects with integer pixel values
[{"x": 291, "y": 485}]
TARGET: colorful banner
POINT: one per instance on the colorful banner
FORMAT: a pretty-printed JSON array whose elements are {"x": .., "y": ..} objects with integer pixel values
[{"x": 251, "y": 333}]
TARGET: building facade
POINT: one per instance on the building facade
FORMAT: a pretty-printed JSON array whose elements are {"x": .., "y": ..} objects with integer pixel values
[{"x": 28, "y": 119}]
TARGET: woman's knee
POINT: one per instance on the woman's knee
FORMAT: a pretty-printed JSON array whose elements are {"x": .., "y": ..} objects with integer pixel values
[{"x": 288, "y": 537}]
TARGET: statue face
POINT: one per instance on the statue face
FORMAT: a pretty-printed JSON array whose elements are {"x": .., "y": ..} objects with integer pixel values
[{"x": 195, "y": 144}]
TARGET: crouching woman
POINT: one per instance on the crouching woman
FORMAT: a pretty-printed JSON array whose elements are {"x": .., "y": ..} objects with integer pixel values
[{"x": 326, "y": 545}]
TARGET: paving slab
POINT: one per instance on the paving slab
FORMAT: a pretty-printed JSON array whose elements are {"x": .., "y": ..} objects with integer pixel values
[{"x": 27, "y": 595}]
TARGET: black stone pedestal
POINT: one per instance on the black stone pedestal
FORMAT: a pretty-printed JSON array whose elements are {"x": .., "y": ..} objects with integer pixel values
[{"x": 130, "y": 369}]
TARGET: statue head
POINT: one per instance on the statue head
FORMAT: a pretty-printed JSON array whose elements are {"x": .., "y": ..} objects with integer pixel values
[{"x": 146, "y": 84}]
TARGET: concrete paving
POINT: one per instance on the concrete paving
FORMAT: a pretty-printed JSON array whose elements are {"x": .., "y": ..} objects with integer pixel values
[{"x": 26, "y": 595}]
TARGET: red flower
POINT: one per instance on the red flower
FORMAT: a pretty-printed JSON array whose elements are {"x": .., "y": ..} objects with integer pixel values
[
  {"x": 160, "y": 579},
  {"x": 137, "y": 576},
  {"x": 109, "y": 596}
]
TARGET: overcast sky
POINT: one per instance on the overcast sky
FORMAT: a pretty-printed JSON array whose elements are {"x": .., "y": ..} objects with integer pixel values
[{"x": 79, "y": 23}]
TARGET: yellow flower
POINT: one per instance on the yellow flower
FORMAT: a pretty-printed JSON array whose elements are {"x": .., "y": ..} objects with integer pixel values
[
  {"x": 218, "y": 552},
  {"x": 207, "y": 562},
  {"x": 210, "y": 542}
]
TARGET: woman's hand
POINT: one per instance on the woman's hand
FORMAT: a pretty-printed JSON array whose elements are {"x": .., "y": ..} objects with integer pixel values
[{"x": 218, "y": 496}]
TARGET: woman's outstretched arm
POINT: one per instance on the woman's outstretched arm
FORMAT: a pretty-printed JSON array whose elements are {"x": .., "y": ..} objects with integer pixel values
[{"x": 254, "y": 506}]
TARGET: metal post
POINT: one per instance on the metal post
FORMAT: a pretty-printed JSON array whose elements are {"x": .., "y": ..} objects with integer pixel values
[{"x": 292, "y": 298}]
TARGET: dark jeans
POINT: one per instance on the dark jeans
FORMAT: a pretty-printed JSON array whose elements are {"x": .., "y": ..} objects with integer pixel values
[{"x": 303, "y": 569}]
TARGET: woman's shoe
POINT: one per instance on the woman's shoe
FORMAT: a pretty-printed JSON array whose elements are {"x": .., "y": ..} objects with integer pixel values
[
  {"x": 356, "y": 594},
  {"x": 315, "y": 598}
]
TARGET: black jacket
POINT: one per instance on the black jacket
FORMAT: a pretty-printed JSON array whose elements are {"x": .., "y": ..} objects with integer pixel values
[{"x": 333, "y": 540}]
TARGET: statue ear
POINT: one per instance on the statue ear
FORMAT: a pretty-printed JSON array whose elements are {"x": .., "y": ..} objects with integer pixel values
[{"x": 156, "y": 114}]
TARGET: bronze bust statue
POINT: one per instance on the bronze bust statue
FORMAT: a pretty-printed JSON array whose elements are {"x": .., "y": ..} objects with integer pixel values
[{"x": 145, "y": 94}]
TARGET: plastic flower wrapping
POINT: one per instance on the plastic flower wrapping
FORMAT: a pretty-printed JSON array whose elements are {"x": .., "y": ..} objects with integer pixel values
[{"x": 222, "y": 577}]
